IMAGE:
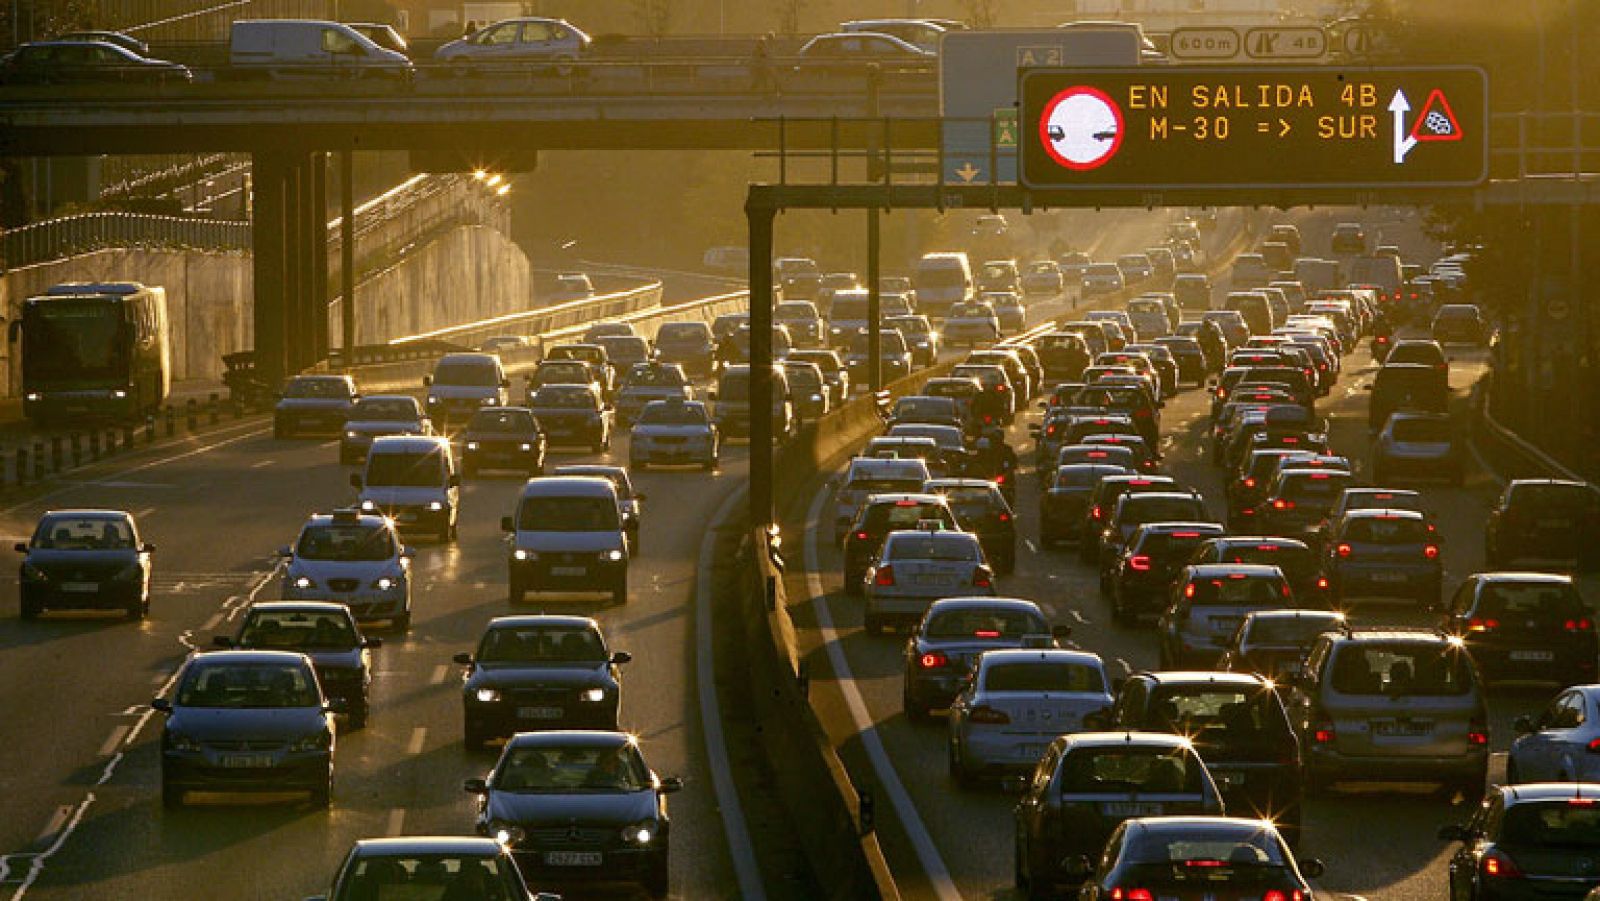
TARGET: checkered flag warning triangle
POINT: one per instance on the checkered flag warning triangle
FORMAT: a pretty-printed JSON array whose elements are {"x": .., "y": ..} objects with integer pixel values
[{"x": 1437, "y": 121}]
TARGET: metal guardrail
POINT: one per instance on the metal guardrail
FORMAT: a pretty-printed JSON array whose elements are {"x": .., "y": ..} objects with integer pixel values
[
  {"x": 1528, "y": 458},
  {"x": 54, "y": 239},
  {"x": 529, "y": 323}
]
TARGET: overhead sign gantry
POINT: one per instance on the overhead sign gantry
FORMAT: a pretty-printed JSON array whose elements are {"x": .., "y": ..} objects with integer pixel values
[{"x": 1155, "y": 128}]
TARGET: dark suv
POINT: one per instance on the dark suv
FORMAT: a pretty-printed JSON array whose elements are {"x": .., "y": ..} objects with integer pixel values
[
  {"x": 1102, "y": 503},
  {"x": 1525, "y": 626},
  {"x": 1544, "y": 520},
  {"x": 1141, "y": 578},
  {"x": 880, "y": 515},
  {"x": 1239, "y": 726}
]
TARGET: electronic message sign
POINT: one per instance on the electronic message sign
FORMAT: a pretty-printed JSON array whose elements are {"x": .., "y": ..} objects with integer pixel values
[{"x": 1253, "y": 127}]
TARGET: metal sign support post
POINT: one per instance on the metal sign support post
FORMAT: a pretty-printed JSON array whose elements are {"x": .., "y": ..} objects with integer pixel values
[
  {"x": 347, "y": 256},
  {"x": 874, "y": 311},
  {"x": 760, "y": 216}
]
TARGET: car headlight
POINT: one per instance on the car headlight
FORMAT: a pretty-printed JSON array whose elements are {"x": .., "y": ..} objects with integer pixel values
[
  {"x": 614, "y": 555},
  {"x": 472, "y": 445},
  {"x": 304, "y": 582},
  {"x": 641, "y": 833},
  {"x": 490, "y": 401},
  {"x": 119, "y": 394},
  {"x": 33, "y": 396},
  {"x": 34, "y": 573},
  {"x": 316, "y": 741},
  {"x": 385, "y": 583},
  {"x": 520, "y": 554},
  {"x": 352, "y": 434},
  {"x": 506, "y": 833},
  {"x": 592, "y": 695},
  {"x": 368, "y": 506},
  {"x": 525, "y": 447},
  {"x": 177, "y": 741},
  {"x": 487, "y": 696},
  {"x": 435, "y": 505},
  {"x": 433, "y": 399}
]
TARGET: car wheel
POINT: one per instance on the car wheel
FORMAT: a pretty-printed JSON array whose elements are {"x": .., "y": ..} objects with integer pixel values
[
  {"x": 139, "y": 609},
  {"x": 598, "y": 445},
  {"x": 31, "y": 609},
  {"x": 634, "y": 547},
  {"x": 656, "y": 878},
  {"x": 322, "y": 794},
  {"x": 171, "y": 795},
  {"x": 517, "y": 591}
]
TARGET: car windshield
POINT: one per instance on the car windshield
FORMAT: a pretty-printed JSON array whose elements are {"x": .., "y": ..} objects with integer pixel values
[
  {"x": 512, "y": 422},
  {"x": 414, "y": 470},
  {"x": 916, "y": 326},
  {"x": 888, "y": 343},
  {"x": 1221, "y": 718},
  {"x": 248, "y": 685},
  {"x": 542, "y": 644},
  {"x": 1422, "y": 430},
  {"x": 552, "y": 397},
  {"x": 1385, "y": 530},
  {"x": 562, "y": 372},
  {"x": 385, "y": 410},
  {"x": 567, "y": 514},
  {"x": 1043, "y": 675},
  {"x": 83, "y": 533},
  {"x": 681, "y": 333},
  {"x": 987, "y": 623},
  {"x": 568, "y": 768},
  {"x": 648, "y": 376},
  {"x": 1289, "y": 631},
  {"x": 293, "y": 630},
  {"x": 804, "y": 379},
  {"x": 428, "y": 877},
  {"x": 1564, "y": 823},
  {"x": 1398, "y": 668},
  {"x": 323, "y": 388},
  {"x": 353, "y": 542},
  {"x": 970, "y": 498},
  {"x": 1131, "y": 769},
  {"x": 672, "y": 414},
  {"x": 945, "y": 547},
  {"x": 467, "y": 375}
]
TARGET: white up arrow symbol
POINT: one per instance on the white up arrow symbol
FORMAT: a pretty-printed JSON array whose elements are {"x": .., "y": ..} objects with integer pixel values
[{"x": 1402, "y": 141}]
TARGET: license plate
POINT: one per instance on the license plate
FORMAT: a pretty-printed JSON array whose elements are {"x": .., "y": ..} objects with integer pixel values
[
  {"x": 1132, "y": 809},
  {"x": 1388, "y": 578},
  {"x": 930, "y": 579},
  {"x": 80, "y": 587},
  {"x": 247, "y": 761},
  {"x": 1397, "y": 728},
  {"x": 540, "y": 713},
  {"x": 1533, "y": 655},
  {"x": 1224, "y": 623},
  {"x": 1228, "y": 780},
  {"x": 1030, "y": 752},
  {"x": 572, "y": 858},
  {"x": 567, "y": 571}
]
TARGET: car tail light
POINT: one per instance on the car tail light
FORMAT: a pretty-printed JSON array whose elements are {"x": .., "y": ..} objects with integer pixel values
[
  {"x": 1383, "y": 339},
  {"x": 1579, "y": 625},
  {"x": 1250, "y": 482},
  {"x": 986, "y": 633},
  {"x": 1478, "y": 624},
  {"x": 1322, "y": 583},
  {"x": 1431, "y": 551},
  {"x": 1095, "y": 513},
  {"x": 1188, "y": 590},
  {"x": 1478, "y": 734},
  {"x": 933, "y": 660},
  {"x": 1140, "y": 562},
  {"x": 884, "y": 577},
  {"x": 1499, "y": 865},
  {"x": 1322, "y": 734},
  {"x": 1131, "y": 894},
  {"x": 1000, "y": 479},
  {"x": 1005, "y": 517},
  {"x": 1282, "y": 504},
  {"x": 862, "y": 536},
  {"x": 982, "y": 578},
  {"x": 988, "y": 716},
  {"x": 1343, "y": 550},
  {"x": 1594, "y": 746},
  {"x": 1291, "y": 895},
  {"x": 1247, "y": 511},
  {"x": 1000, "y": 389}
]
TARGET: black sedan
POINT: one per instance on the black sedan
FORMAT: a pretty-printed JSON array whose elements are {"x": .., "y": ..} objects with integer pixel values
[
  {"x": 85, "y": 559},
  {"x": 247, "y": 721},
  {"x": 78, "y": 61},
  {"x": 947, "y": 641},
  {"x": 981, "y": 507},
  {"x": 539, "y": 672},
  {"x": 1190, "y": 858},
  {"x": 1540, "y": 840},
  {"x": 572, "y": 414},
  {"x": 579, "y": 805},
  {"x": 322, "y": 630},
  {"x": 502, "y": 438}
]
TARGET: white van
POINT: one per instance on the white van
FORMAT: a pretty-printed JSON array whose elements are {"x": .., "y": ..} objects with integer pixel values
[
  {"x": 412, "y": 479},
  {"x": 283, "y": 49},
  {"x": 942, "y": 280}
]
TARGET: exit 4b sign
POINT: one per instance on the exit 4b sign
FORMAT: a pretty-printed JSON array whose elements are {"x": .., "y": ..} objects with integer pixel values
[{"x": 1253, "y": 127}]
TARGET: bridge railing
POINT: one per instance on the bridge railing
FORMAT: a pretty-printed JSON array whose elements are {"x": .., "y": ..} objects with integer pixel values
[
  {"x": 53, "y": 239},
  {"x": 1544, "y": 143}
]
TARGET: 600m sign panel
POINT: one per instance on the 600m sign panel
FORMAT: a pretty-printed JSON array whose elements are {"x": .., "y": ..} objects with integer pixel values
[{"x": 1255, "y": 127}]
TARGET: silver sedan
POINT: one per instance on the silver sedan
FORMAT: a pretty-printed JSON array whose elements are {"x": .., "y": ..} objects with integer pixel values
[
  {"x": 916, "y": 568},
  {"x": 1561, "y": 743}
]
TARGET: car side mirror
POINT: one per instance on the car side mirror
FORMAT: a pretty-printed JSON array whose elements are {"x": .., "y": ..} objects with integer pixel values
[
  {"x": 1524, "y": 725},
  {"x": 161, "y": 704},
  {"x": 355, "y": 480},
  {"x": 21, "y": 547},
  {"x": 408, "y": 552},
  {"x": 371, "y": 641},
  {"x": 463, "y": 658},
  {"x": 285, "y": 551},
  {"x": 1454, "y": 832},
  {"x": 671, "y": 784},
  {"x": 427, "y": 381},
  {"x": 222, "y": 641},
  {"x": 1076, "y": 868},
  {"x": 621, "y": 657},
  {"x": 1061, "y": 633},
  {"x": 1312, "y": 868},
  {"x": 147, "y": 548},
  {"x": 506, "y": 525},
  {"x": 475, "y": 786}
]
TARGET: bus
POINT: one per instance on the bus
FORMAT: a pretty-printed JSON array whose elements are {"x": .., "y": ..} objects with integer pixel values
[{"x": 94, "y": 349}]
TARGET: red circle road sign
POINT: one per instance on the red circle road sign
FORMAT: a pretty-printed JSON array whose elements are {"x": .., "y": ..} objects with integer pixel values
[{"x": 1081, "y": 128}]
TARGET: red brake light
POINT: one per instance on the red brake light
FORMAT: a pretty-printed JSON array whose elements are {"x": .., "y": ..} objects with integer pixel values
[
  {"x": 1343, "y": 550},
  {"x": 1323, "y": 734},
  {"x": 1281, "y": 504},
  {"x": 905, "y": 503},
  {"x": 1496, "y": 864},
  {"x": 933, "y": 660},
  {"x": 1000, "y": 479},
  {"x": 1431, "y": 551},
  {"x": 1322, "y": 582},
  {"x": 1000, "y": 388},
  {"x": 1482, "y": 625},
  {"x": 1320, "y": 476},
  {"x": 1579, "y": 625},
  {"x": 1095, "y": 513},
  {"x": 1004, "y": 517},
  {"x": 1594, "y": 746},
  {"x": 982, "y": 578},
  {"x": 1185, "y": 534},
  {"x": 1132, "y": 894},
  {"x": 1188, "y": 590},
  {"x": 1250, "y": 482},
  {"x": 986, "y": 633},
  {"x": 1478, "y": 735},
  {"x": 1207, "y": 862},
  {"x": 885, "y": 576},
  {"x": 862, "y": 536},
  {"x": 989, "y": 716},
  {"x": 1140, "y": 562},
  {"x": 1580, "y": 802}
]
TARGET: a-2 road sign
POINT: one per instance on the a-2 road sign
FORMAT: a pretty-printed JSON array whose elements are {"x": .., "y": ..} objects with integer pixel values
[{"x": 1285, "y": 43}]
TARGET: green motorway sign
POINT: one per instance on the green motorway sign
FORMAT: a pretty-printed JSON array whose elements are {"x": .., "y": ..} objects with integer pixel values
[{"x": 1153, "y": 128}]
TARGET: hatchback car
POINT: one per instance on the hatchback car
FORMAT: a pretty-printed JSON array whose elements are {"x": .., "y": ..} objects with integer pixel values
[
  {"x": 567, "y": 535},
  {"x": 247, "y": 721},
  {"x": 920, "y": 335},
  {"x": 539, "y": 672},
  {"x": 1557, "y": 744},
  {"x": 980, "y": 507},
  {"x": 1298, "y": 562},
  {"x": 1086, "y": 784},
  {"x": 503, "y": 438},
  {"x": 380, "y": 414},
  {"x": 313, "y": 403},
  {"x": 1296, "y": 502},
  {"x": 1525, "y": 626},
  {"x": 572, "y": 414},
  {"x": 325, "y": 631},
  {"x": 1459, "y": 323},
  {"x": 1134, "y": 509},
  {"x": 1273, "y": 643},
  {"x": 1544, "y": 521},
  {"x": 514, "y": 42},
  {"x": 1063, "y": 503},
  {"x": 686, "y": 344},
  {"x": 1391, "y": 705},
  {"x": 85, "y": 559},
  {"x": 971, "y": 324},
  {"x": 950, "y": 636},
  {"x": 1208, "y": 603},
  {"x": 441, "y": 866},
  {"x": 1014, "y": 704},
  {"x": 1191, "y": 857},
  {"x": 916, "y": 568},
  {"x": 579, "y": 805},
  {"x": 866, "y": 476},
  {"x": 646, "y": 382},
  {"x": 1418, "y": 444},
  {"x": 1239, "y": 727},
  {"x": 1141, "y": 578},
  {"x": 355, "y": 559},
  {"x": 1533, "y": 840},
  {"x": 1381, "y": 553},
  {"x": 1104, "y": 496},
  {"x": 672, "y": 432}
]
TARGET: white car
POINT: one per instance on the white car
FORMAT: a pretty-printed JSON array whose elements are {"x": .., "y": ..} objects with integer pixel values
[
  {"x": 867, "y": 476},
  {"x": 1016, "y": 703},
  {"x": 517, "y": 41},
  {"x": 354, "y": 559},
  {"x": 674, "y": 432}
]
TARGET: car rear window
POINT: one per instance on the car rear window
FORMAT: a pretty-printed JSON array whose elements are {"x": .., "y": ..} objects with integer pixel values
[
  {"x": 1131, "y": 769},
  {"x": 887, "y": 517},
  {"x": 1385, "y": 530},
  {"x": 1429, "y": 430},
  {"x": 1537, "y": 601},
  {"x": 1079, "y": 476},
  {"x": 1235, "y": 590},
  {"x": 956, "y": 548},
  {"x": 1554, "y": 498},
  {"x": 1167, "y": 545},
  {"x": 1323, "y": 487},
  {"x": 1298, "y": 631},
  {"x": 1042, "y": 675},
  {"x": 1295, "y": 562},
  {"x": 1567, "y": 823},
  {"x": 1161, "y": 509},
  {"x": 986, "y": 623},
  {"x": 1219, "y": 717},
  {"x": 1401, "y": 669}
]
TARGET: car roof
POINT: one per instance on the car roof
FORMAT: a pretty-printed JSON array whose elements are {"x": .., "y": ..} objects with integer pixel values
[
  {"x": 221, "y": 658},
  {"x": 569, "y": 738},
  {"x": 404, "y": 398},
  {"x": 1125, "y": 739},
  {"x": 1213, "y": 570},
  {"x": 298, "y": 606},
  {"x": 908, "y": 496},
  {"x": 408, "y": 444},
  {"x": 1163, "y": 527},
  {"x": 978, "y": 603},
  {"x": 1536, "y": 577},
  {"x": 569, "y": 486},
  {"x": 328, "y": 519},
  {"x": 1208, "y": 677},
  {"x": 1229, "y": 825},
  {"x": 89, "y": 513},
  {"x": 1294, "y": 613},
  {"x": 1383, "y": 513},
  {"x": 479, "y": 358},
  {"x": 958, "y": 483},
  {"x": 408, "y": 845},
  {"x": 1549, "y": 791},
  {"x": 1051, "y": 655},
  {"x": 526, "y": 620}
]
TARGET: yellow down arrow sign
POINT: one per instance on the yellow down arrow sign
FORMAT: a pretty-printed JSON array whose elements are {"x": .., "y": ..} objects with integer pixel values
[{"x": 968, "y": 171}]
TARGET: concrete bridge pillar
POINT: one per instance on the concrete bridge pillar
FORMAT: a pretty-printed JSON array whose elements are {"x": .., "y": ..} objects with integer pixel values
[
  {"x": 270, "y": 248},
  {"x": 290, "y": 244}
]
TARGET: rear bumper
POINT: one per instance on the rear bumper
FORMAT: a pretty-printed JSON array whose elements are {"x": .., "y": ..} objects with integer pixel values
[{"x": 1327, "y": 764}]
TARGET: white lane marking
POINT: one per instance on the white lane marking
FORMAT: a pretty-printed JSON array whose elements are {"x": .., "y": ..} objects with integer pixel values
[
  {"x": 906, "y": 809},
  {"x": 110, "y": 769},
  {"x": 36, "y": 861},
  {"x": 144, "y": 512},
  {"x": 397, "y": 822},
  {"x": 440, "y": 673},
  {"x": 214, "y": 621},
  {"x": 262, "y": 464},
  {"x": 1078, "y": 617},
  {"x": 155, "y": 679},
  {"x": 745, "y": 868},
  {"x": 1028, "y": 543},
  {"x": 57, "y": 820},
  {"x": 152, "y": 464},
  {"x": 419, "y": 737},
  {"x": 114, "y": 740}
]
